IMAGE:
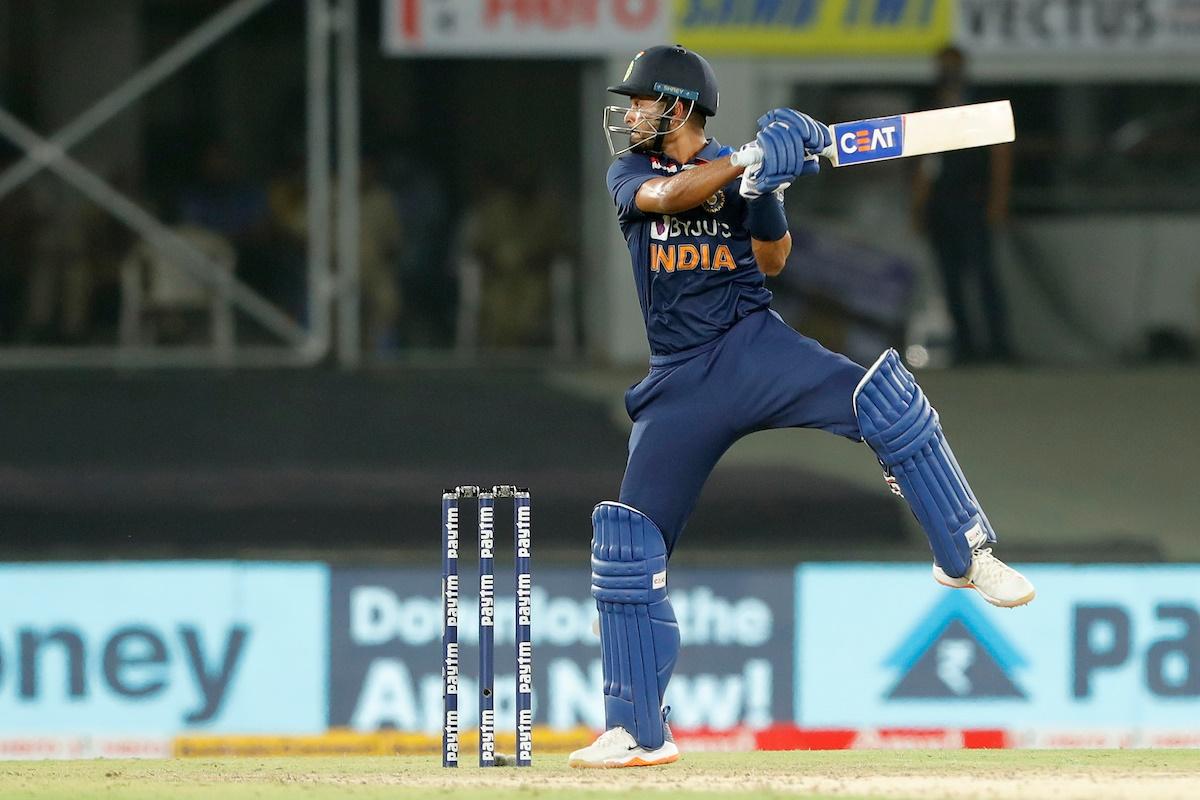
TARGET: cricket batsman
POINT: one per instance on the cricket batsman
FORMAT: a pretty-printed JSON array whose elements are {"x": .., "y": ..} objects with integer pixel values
[{"x": 703, "y": 236}]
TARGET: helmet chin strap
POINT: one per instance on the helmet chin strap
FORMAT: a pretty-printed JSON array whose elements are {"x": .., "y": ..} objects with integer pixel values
[
  {"x": 661, "y": 132},
  {"x": 664, "y": 126}
]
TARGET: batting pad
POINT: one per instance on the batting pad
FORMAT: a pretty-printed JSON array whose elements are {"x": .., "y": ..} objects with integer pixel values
[
  {"x": 639, "y": 637},
  {"x": 903, "y": 429}
]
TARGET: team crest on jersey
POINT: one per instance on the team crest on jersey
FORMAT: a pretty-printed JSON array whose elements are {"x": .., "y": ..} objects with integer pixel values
[{"x": 715, "y": 203}]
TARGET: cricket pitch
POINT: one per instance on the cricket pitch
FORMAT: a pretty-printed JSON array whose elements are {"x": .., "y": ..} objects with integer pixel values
[{"x": 907, "y": 775}]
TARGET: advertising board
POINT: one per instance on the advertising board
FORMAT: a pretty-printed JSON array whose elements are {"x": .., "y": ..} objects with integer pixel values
[
  {"x": 735, "y": 668},
  {"x": 521, "y": 28},
  {"x": 1101, "y": 647},
  {"x": 1016, "y": 27},
  {"x": 152, "y": 648},
  {"x": 804, "y": 29}
]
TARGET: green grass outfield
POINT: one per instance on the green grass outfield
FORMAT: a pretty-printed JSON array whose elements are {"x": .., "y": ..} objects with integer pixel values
[{"x": 916, "y": 774}]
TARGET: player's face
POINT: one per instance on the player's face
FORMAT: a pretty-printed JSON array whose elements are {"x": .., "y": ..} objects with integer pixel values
[{"x": 643, "y": 119}]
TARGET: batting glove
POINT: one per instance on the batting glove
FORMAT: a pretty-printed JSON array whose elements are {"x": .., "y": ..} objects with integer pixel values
[
  {"x": 815, "y": 135},
  {"x": 790, "y": 142},
  {"x": 750, "y": 188}
]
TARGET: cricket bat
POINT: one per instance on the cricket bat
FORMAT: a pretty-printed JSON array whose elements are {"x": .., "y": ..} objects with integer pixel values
[{"x": 883, "y": 138}]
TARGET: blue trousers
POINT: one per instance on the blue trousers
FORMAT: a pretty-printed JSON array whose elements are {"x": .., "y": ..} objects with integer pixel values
[{"x": 693, "y": 406}]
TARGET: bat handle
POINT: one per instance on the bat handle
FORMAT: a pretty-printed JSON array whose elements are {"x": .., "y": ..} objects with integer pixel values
[
  {"x": 752, "y": 154},
  {"x": 748, "y": 156}
]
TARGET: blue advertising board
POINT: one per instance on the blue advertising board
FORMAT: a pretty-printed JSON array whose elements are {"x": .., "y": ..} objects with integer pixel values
[
  {"x": 163, "y": 647},
  {"x": 158, "y": 648},
  {"x": 734, "y": 670},
  {"x": 1100, "y": 646}
]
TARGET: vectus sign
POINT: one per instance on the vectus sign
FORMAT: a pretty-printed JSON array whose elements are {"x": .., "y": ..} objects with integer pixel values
[{"x": 1057, "y": 26}]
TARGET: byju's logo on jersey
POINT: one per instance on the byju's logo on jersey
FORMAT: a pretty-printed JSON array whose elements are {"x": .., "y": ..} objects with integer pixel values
[
  {"x": 955, "y": 653},
  {"x": 869, "y": 140}
]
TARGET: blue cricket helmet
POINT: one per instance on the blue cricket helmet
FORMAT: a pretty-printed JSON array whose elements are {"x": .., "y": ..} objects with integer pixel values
[
  {"x": 665, "y": 71},
  {"x": 672, "y": 70}
]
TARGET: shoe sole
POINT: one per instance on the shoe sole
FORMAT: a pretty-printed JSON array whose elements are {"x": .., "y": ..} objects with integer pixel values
[
  {"x": 1020, "y": 601},
  {"x": 637, "y": 761}
]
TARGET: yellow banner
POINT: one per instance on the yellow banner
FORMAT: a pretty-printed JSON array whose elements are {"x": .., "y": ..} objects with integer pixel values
[
  {"x": 813, "y": 27},
  {"x": 340, "y": 742}
]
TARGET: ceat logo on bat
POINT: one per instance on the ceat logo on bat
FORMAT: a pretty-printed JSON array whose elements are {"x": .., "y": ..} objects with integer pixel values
[{"x": 869, "y": 140}]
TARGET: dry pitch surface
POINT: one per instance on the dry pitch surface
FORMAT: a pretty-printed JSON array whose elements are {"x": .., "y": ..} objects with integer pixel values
[{"x": 915, "y": 775}]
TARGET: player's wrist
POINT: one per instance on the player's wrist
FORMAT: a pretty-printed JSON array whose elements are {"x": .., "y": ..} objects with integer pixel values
[{"x": 765, "y": 218}]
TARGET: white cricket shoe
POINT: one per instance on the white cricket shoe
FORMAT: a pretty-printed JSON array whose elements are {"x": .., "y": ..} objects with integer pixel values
[
  {"x": 616, "y": 748},
  {"x": 1000, "y": 584}
]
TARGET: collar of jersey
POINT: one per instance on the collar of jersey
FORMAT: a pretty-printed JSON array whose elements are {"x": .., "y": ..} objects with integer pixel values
[{"x": 710, "y": 152}]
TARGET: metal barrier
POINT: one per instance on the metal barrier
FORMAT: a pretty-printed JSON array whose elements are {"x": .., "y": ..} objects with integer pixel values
[{"x": 302, "y": 343}]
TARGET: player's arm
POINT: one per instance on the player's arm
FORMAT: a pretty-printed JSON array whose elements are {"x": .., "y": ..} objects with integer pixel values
[
  {"x": 684, "y": 191},
  {"x": 771, "y": 256},
  {"x": 767, "y": 223},
  {"x": 691, "y": 187},
  {"x": 788, "y": 142}
]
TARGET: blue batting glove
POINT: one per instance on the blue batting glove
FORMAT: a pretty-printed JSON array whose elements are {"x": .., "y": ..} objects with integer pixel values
[
  {"x": 749, "y": 187},
  {"x": 815, "y": 135},
  {"x": 784, "y": 158},
  {"x": 783, "y": 155},
  {"x": 790, "y": 141}
]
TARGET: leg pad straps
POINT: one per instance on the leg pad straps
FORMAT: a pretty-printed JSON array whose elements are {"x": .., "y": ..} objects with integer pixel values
[
  {"x": 639, "y": 637},
  {"x": 898, "y": 423}
]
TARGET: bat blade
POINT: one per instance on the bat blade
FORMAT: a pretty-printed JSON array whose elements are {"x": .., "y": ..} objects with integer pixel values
[
  {"x": 866, "y": 141},
  {"x": 921, "y": 132}
]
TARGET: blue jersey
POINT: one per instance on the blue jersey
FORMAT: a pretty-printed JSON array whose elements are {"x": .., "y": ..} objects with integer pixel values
[{"x": 695, "y": 272}]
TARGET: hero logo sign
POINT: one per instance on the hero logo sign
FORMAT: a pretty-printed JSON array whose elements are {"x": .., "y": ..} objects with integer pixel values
[
  {"x": 564, "y": 14},
  {"x": 563, "y": 28}
]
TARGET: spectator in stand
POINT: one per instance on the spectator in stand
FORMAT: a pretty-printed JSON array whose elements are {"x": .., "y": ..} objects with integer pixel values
[
  {"x": 425, "y": 274},
  {"x": 224, "y": 202},
  {"x": 18, "y": 222},
  {"x": 380, "y": 238},
  {"x": 960, "y": 200},
  {"x": 514, "y": 231}
]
